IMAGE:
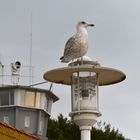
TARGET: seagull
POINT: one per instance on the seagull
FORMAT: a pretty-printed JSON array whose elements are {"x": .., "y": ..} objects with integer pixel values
[{"x": 77, "y": 45}]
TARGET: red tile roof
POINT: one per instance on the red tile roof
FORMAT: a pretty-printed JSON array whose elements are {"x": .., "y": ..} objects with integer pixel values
[{"x": 8, "y": 132}]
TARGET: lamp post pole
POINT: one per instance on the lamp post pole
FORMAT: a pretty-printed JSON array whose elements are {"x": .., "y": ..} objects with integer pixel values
[
  {"x": 84, "y": 80},
  {"x": 85, "y": 132}
]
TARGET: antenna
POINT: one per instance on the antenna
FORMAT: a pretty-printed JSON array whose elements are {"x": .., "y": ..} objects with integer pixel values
[
  {"x": 51, "y": 86},
  {"x": 31, "y": 78},
  {"x": 1, "y": 68}
]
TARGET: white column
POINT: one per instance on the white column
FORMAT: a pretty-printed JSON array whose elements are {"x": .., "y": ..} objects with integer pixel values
[{"x": 85, "y": 132}]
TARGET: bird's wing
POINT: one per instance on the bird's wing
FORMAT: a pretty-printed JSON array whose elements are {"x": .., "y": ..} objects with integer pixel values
[{"x": 70, "y": 45}]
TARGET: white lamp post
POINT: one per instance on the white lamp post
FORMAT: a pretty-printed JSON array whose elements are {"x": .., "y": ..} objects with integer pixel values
[
  {"x": 84, "y": 80},
  {"x": 85, "y": 107}
]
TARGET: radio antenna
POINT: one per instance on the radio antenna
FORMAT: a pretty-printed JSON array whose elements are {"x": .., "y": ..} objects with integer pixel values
[{"x": 31, "y": 80}]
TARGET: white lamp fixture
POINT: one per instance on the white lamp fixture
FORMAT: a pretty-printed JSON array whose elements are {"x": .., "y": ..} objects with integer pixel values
[{"x": 85, "y": 79}]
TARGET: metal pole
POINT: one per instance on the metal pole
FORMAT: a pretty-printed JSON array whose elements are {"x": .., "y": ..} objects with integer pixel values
[
  {"x": 72, "y": 93},
  {"x": 2, "y": 66},
  {"x": 78, "y": 80},
  {"x": 85, "y": 132},
  {"x": 97, "y": 84},
  {"x": 31, "y": 49}
]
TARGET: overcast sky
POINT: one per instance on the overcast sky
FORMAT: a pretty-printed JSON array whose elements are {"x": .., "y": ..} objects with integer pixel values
[{"x": 113, "y": 42}]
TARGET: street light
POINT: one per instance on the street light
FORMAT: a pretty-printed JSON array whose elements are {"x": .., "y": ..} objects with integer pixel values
[{"x": 85, "y": 79}]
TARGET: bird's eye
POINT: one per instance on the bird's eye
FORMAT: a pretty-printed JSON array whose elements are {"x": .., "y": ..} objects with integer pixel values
[{"x": 83, "y": 22}]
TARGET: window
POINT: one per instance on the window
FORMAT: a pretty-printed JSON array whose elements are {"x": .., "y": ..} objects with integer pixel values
[
  {"x": 29, "y": 98},
  {"x": 22, "y": 97},
  {"x": 27, "y": 121},
  {"x": 6, "y": 119},
  {"x": 49, "y": 105},
  {"x": 4, "y": 98},
  {"x": 11, "y": 98},
  {"x": 37, "y": 100},
  {"x": 7, "y": 97},
  {"x": 42, "y": 101}
]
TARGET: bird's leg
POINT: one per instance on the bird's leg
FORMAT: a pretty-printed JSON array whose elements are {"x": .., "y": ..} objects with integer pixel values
[{"x": 72, "y": 62}]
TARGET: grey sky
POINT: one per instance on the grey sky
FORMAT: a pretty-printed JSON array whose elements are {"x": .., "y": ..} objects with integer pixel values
[{"x": 114, "y": 42}]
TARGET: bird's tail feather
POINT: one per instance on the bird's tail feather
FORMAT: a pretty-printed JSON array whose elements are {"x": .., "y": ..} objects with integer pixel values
[
  {"x": 64, "y": 60},
  {"x": 61, "y": 57}
]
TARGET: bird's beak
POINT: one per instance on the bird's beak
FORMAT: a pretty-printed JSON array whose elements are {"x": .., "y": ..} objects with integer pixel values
[{"x": 91, "y": 25}]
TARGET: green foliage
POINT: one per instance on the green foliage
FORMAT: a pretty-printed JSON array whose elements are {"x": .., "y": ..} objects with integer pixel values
[
  {"x": 64, "y": 129},
  {"x": 105, "y": 132}
]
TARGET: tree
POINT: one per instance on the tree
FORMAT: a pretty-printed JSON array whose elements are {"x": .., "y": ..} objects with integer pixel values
[
  {"x": 64, "y": 129},
  {"x": 105, "y": 132}
]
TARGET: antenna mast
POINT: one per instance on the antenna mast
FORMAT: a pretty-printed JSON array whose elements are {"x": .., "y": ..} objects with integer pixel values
[{"x": 31, "y": 78}]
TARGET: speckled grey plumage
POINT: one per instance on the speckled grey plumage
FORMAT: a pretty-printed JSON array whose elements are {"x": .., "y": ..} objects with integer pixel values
[{"x": 77, "y": 45}]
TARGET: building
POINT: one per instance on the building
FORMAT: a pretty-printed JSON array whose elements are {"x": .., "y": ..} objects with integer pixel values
[{"x": 26, "y": 108}]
